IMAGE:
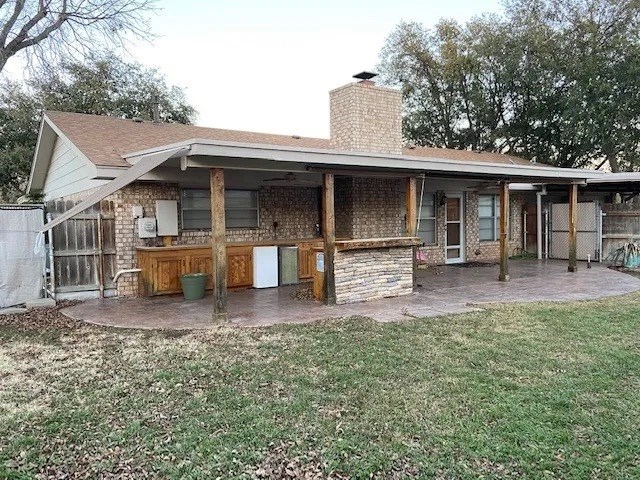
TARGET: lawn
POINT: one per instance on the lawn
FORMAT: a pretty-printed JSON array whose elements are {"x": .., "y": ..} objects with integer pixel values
[{"x": 524, "y": 391}]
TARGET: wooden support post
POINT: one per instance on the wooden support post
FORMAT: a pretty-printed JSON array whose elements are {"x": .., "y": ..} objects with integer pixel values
[
  {"x": 329, "y": 236},
  {"x": 218, "y": 245},
  {"x": 573, "y": 228},
  {"x": 411, "y": 201},
  {"x": 504, "y": 234}
]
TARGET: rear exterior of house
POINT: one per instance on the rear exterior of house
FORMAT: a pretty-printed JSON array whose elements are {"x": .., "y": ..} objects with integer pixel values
[{"x": 456, "y": 206}]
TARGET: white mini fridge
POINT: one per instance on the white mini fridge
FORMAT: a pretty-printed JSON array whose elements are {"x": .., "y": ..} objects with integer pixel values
[{"x": 265, "y": 267}]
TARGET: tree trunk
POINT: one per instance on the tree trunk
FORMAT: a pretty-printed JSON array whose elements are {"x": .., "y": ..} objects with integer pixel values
[{"x": 613, "y": 162}]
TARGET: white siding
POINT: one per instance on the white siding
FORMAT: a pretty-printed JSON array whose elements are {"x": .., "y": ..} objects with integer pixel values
[{"x": 69, "y": 172}]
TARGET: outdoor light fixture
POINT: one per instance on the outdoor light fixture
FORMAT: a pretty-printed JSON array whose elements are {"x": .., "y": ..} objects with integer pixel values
[{"x": 441, "y": 198}]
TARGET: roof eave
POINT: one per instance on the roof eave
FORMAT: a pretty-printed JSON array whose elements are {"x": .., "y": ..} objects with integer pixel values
[{"x": 213, "y": 148}]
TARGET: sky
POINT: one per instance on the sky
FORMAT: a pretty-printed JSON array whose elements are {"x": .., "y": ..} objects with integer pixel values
[{"x": 267, "y": 66}]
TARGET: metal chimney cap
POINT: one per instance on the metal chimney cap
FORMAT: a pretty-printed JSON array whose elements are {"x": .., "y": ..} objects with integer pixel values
[{"x": 365, "y": 75}]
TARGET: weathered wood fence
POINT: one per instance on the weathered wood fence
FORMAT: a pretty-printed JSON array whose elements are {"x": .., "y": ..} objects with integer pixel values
[
  {"x": 84, "y": 248},
  {"x": 620, "y": 224}
]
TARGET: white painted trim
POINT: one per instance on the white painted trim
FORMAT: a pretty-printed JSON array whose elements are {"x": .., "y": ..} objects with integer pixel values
[
  {"x": 462, "y": 230},
  {"x": 35, "y": 156},
  {"x": 616, "y": 177}
]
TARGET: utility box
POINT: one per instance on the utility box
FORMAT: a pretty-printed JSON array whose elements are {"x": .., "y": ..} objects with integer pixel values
[
  {"x": 147, "y": 227},
  {"x": 288, "y": 263},
  {"x": 167, "y": 216}
]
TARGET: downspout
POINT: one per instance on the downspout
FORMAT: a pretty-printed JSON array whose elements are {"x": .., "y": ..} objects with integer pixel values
[{"x": 539, "y": 195}]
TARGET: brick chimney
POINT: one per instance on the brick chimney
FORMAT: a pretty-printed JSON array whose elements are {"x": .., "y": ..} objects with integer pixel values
[{"x": 365, "y": 117}]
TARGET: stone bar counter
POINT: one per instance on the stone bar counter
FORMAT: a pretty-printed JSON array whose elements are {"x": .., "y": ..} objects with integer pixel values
[{"x": 369, "y": 269}]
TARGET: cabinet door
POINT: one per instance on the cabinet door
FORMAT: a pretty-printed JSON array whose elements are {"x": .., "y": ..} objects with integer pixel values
[
  {"x": 239, "y": 267},
  {"x": 166, "y": 273},
  {"x": 305, "y": 258},
  {"x": 202, "y": 263}
]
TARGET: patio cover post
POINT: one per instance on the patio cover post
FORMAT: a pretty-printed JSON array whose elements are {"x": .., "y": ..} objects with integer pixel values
[
  {"x": 329, "y": 237},
  {"x": 504, "y": 237},
  {"x": 573, "y": 227},
  {"x": 218, "y": 245},
  {"x": 411, "y": 202}
]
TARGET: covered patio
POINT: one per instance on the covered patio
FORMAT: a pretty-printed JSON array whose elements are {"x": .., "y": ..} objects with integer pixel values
[{"x": 443, "y": 290}]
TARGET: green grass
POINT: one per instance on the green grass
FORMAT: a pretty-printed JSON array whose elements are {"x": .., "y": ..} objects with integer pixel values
[{"x": 525, "y": 391}]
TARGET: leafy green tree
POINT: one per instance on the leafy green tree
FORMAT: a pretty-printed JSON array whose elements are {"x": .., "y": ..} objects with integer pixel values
[
  {"x": 104, "y": 85},
  {"x": 550, "y": 80},
  {"x": 18, "y": 134}
]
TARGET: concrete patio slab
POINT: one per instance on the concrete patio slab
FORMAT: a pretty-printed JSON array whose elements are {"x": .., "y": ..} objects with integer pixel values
[{"x": 444, "y": 290}]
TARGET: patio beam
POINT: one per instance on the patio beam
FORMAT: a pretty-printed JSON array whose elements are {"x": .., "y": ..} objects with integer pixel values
[
  {"x": 218, "y": 246},
  {"x": 329, "y": 237},
  {"x": 573, "y": 228},
  {"x": 504, "y": 236},
  {"x": 411, "y": 223}
]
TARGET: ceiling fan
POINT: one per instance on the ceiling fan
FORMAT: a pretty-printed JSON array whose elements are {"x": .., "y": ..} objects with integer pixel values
[{"x": 290, "y": 178}]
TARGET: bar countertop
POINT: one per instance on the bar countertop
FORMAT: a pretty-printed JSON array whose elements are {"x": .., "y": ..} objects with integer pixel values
[
  {"x": 256, "y": 243},
  {"x": 371, "y": 243}
]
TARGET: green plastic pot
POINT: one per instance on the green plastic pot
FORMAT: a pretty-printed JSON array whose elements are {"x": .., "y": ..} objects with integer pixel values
[{"x": 193, "y": 285}]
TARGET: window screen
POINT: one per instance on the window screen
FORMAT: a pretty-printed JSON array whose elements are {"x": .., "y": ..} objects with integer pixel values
[
  {"x": 489, "y": 217},
  {"x": 427, "y": 219}
]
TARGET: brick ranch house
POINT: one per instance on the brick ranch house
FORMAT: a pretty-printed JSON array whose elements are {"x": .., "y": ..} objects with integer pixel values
[{"x": 367, "y": 202}]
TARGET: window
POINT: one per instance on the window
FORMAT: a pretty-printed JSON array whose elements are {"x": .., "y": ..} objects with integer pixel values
[
  {"x": 489, "y": 217},
  {"x": 427, "y": 219},
  {"x": 241, "y": 209}
]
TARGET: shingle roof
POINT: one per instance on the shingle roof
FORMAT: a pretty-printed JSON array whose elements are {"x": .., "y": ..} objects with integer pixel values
[
  {"x": 104, "y": 139},
  {"x": 467, "y": 156}
]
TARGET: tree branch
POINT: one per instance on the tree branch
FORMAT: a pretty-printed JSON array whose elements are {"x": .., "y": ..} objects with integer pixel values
[{"x": 17, "y": 8}]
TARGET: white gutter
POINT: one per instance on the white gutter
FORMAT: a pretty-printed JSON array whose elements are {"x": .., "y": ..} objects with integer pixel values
[
  {"x": 616, "y": 177},
  {"x": 234, "y": 150},
  {"x": 146, "y": 164}
]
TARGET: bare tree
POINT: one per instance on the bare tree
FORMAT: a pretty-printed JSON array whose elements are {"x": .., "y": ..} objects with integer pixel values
[{"x": 47, "y": 30}]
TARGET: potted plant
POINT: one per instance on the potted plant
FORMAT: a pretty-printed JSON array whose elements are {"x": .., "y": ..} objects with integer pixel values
[{"x": 193, "y": 285}]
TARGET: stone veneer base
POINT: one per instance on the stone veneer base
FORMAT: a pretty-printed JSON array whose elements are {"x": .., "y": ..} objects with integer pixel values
[{"x": 371, "y": 274}]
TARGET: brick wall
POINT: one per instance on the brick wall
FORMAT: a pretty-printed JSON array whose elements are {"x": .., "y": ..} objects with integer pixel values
[
  {"x": 486, "y": 251},
  {"x": 476, "y": 250},
  {"x": 369, "y": 207},
  {"x": 363, "y": 275},
  {"x": 294, "y": 208},
  {"x": 366, "y": 118}
]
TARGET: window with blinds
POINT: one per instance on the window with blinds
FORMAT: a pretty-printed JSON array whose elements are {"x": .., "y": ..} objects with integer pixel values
[
  {"x": 241, "y": 209},
  {"x": 489, "y": 217},
  {"x": 427, "y": 219}
]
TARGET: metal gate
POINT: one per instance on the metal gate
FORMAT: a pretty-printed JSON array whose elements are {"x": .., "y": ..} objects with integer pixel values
[
  {"x": 589, "y": 230},
  {"x": 84, "y": 250}
]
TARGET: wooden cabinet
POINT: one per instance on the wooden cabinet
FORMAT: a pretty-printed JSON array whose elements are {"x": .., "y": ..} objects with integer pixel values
[
  {"x": 166, "y": 272},
  {"x": 239, "y": 266},
  {"x": 306, "y": 257},
  {"x": 202, "y": 262},
  {"x": 163, "y": 266}
]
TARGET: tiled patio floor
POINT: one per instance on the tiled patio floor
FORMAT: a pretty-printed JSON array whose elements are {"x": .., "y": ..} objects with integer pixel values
[{"x": 450, "y": 289}]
